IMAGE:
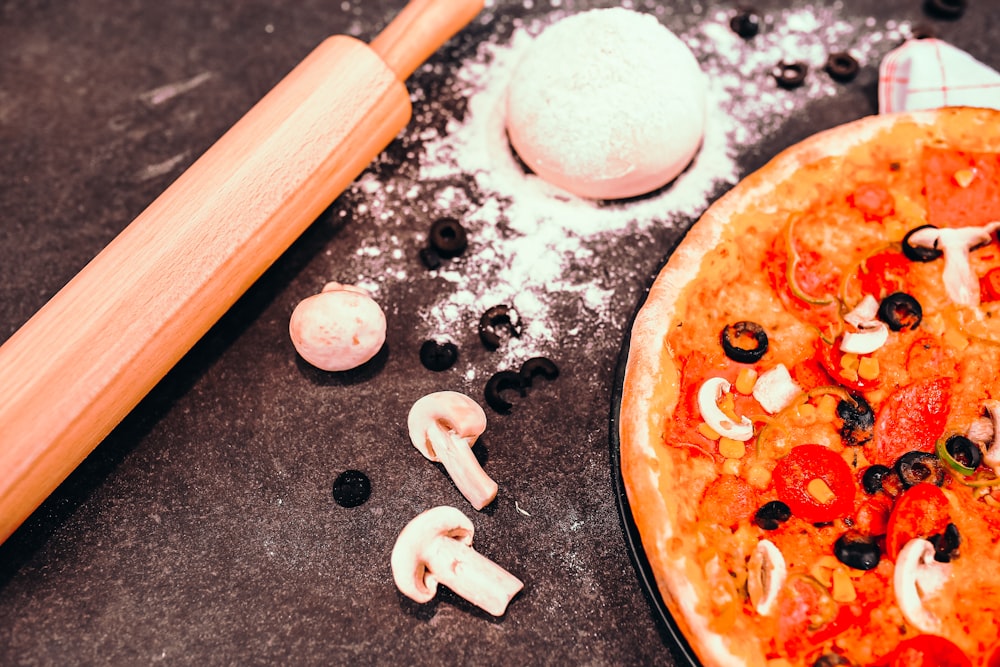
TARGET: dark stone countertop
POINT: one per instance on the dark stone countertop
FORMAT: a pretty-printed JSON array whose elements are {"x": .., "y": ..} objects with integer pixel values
[{"x": 203, "y": 531}]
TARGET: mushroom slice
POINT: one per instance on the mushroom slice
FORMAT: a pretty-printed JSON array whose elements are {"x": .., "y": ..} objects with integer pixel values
[
  {"x": 960, "y": 282},
  {"x": 436, "y": 548},
  {"x": 991, "y": 453},
  {"x": 708, "y": 404},
  {"x": 766, "y": 575},
  {"x": 443, "y": 427},
  {"x": 917, "y": 576},
  {"x": 871, "y": 333},
  {"x": 775, "y": 389}
]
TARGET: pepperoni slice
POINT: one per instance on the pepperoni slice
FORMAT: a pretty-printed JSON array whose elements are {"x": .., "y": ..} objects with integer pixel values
[
  {"x": 728, "y": 500},
  {"x": 873, "y": 201},
  {"x": 911, "y": 418},
  {"x": 949, "y": 203}
]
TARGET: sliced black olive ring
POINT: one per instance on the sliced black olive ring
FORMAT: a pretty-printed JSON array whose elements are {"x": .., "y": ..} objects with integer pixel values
[
  {"x": 842, "y": 66},
  {"x": 351, "y": 488},
  {"x": 900, "y": 311},
  {"x": 448, "y": 237},
  {"x": 733, "y": 335},
  {"x": 437, "y": 356},
  {"x": 745, "y": 23},
  {"x": 946, "y": 544},
  {"x": 945, "y": 9},
  {"x": 790, "y": 75},
  {"x": 873, "y": 477},
  {"x": 497, "y": 317},
  {"x": 771, "y": 515},
  {"x": 857, "y": 551},
  {"x": 538, "y": 366},
  {"x": 916, "y": 253},
  {"x": 500, "y": 382},
  {"x": 859, "y": 421},
  {"x": 960, "y": 454},
  {"x": 916, "y": 467}
]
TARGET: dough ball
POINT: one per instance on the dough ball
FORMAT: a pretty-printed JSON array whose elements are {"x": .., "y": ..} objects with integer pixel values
[
  {"x": 338, "y": 329},
  {"x": 607, "y": 104}
]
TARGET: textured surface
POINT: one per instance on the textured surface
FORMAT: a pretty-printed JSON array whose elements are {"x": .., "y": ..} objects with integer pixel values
[{"x": 203, "y": 530}]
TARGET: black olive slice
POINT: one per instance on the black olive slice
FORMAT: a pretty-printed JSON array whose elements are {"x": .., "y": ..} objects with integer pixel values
[
  {"x": 873, "y": 478},
  {"x": 771, "y": 515},
  {"x": 842, "y": 66},
  {"x": 964, "y": 451},
  {"x": 857, "y": 551},
  {"x": 499, "y": 383},
  {"x": 859, "y": 421},
  {"x": 916, "y": 253},
  {"x": 745, "y": 23},
  {"x": 790, "y": 75},
  {"x": 946, "y": 544},
  {"x": 351, "y": 488},
  {"x": 832, "y": 660},
  {"x": 945, "y": 9},
  {"x": 744, "y": 342},
  {"x": 900, "y": 311},
  {"x": 495, "y": 318},
  {"x": 437, "y": 356},
  {"x": 916, "y": 467},
  {"x": 430, "y": 259},
  {"x": 448, "y": 237},
  {"x": 538, "y": 366},
  {"x": 923, "y": 31}
]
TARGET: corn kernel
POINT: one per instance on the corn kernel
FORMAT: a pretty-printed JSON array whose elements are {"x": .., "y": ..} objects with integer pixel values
[
  {"x": 746, "y": 380},
  {"x": 757, "y": 476},
  {"x": 849, "y": 361},
  {"x": 708, "y": 431},
  {"x": 868, "y": 368},
  {"x": 964, "y": 177},
  {"x": 843, "y": 588},
  {"x": 826, "y": 410},
  {"x": 953, "y": 338},
  {"x": 731, "y": 467},
  {"x": 849, "y": 374},
  {"x": 732, "y": 449},
  {"x": 828, "y": 561},
  {"x": 819, "y": 490},
  {"x": 806, "y": 412}
]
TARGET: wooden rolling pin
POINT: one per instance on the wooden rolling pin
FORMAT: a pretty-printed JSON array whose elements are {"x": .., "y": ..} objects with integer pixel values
[{"x": 80, "y": 364}]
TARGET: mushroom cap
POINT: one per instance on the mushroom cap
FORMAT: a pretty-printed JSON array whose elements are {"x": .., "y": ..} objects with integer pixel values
[
  {"x": 417, "y": 539},
  {"x": 449, "y": 411},
  {"x": 338, "y": 329}
]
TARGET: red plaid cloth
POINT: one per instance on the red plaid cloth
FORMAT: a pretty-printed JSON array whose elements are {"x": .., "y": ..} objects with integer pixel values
[{"x": 930, "y": 73}]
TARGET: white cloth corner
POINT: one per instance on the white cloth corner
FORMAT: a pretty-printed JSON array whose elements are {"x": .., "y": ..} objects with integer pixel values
[{"x": 930, "y": 73}]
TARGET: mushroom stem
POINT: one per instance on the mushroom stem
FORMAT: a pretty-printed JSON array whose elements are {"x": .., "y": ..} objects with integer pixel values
[
  {"x": 458, "y": 459},
  {"x": 472, "y": 576}
]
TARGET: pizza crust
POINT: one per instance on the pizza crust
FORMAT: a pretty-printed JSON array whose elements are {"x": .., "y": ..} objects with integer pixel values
[{"x": 651, "y": 379}]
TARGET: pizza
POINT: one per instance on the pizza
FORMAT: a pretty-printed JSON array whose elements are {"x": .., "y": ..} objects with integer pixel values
[{"x": 810, "y": 416}]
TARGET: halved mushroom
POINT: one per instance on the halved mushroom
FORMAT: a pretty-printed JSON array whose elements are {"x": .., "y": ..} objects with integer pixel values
[
  {"x": 708, "y": 404},
  {"x": 917, "y": 576},
  {"x": 960, "y": 282},
  {"x": 765, "y": 577},
  {"x": 985, "y": 432},
  {"x": 436, "y": 548},
  {"x": 443, "y": 427}
]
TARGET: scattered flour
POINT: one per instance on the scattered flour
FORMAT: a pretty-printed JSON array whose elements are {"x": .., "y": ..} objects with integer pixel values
[{"x": 535, "y": 247}]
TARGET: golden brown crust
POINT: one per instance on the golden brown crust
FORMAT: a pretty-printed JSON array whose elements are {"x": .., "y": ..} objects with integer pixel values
[{"x": 651, "y": 380}]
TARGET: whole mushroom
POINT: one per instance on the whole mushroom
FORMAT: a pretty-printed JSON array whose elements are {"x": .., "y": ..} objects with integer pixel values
[
  {"x": 338, "y": 329},
  {"x": 443, "y": 427},
  {"x": 436, "y": 548}
]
